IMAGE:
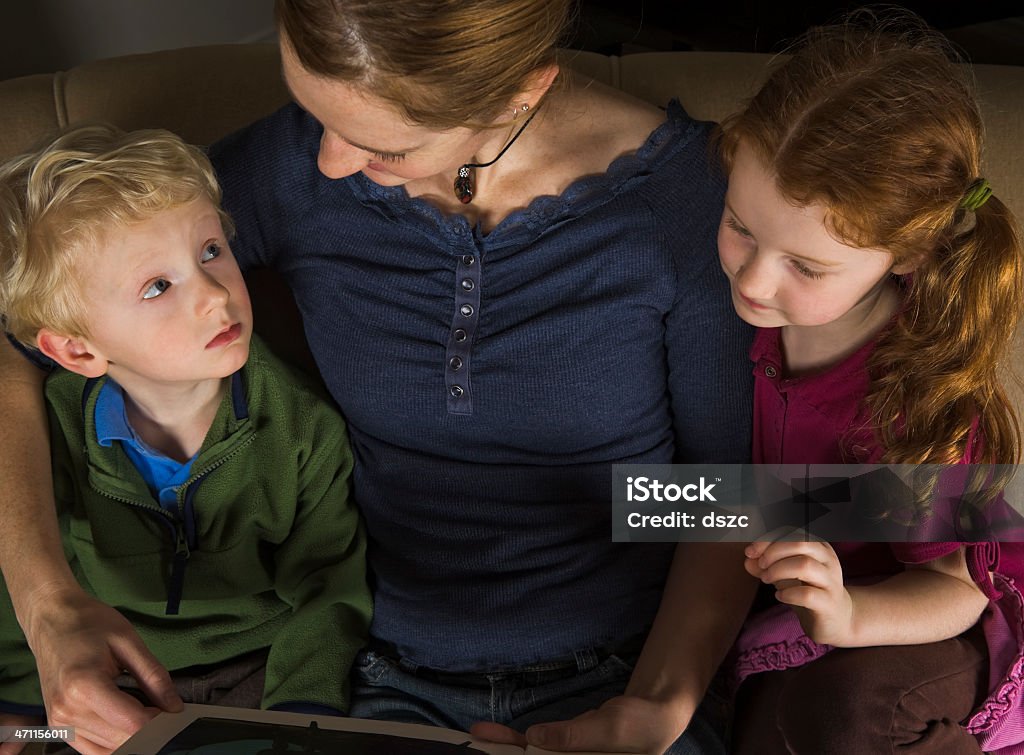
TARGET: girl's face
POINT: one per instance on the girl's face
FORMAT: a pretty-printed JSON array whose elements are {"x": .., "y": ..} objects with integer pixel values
[
  {"x": 364, "y": 133},
  {"x": 783, "y": 265}
]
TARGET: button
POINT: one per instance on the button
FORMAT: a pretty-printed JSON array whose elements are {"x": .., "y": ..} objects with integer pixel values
[
  {"x": 468, "y": 260},
  {"x": 770, "y": 371},
  {"x": 455, "y": 363},
  {"x": 460, "y": 335},
  {"x": 467, "y": 284},
  {"x": 456, "y": 391},
  {"x": 466, "y": 310}
]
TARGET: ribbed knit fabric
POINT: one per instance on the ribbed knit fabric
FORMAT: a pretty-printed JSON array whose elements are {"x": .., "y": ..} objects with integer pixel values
[{"x": 601, "y": 331}]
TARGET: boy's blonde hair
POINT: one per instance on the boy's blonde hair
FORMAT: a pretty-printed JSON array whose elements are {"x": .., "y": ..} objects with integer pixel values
[{"x": 57, "y": 203}]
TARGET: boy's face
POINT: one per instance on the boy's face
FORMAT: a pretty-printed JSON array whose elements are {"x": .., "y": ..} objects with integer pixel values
[{"x": 165, "y": 299}]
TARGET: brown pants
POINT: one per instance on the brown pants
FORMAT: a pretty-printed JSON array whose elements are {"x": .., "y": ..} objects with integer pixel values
[
  {"x": 238, "y": 683},
  {"x": 906, "y": 699}
]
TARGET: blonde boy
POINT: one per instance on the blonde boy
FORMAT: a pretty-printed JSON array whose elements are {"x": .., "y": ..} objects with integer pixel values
[{"x": 202, "y": 488}]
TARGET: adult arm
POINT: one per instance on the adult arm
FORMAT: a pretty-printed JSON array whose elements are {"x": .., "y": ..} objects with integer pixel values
[
  {"x": 708, "y": 593},
  {"x": 705, "y": 601},
  {"x": 31, "y": 554},
  {"x": 80, "y": 644}
]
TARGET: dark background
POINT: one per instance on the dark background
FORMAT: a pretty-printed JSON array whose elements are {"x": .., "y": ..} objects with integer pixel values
[{"x": 987, "y": 32}]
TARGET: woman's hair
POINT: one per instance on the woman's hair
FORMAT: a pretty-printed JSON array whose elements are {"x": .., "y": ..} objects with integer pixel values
[
  {"x": 441, "y": 63},
  {"x": 879, "y": 125},
  {"x": 57, "y": 202}
]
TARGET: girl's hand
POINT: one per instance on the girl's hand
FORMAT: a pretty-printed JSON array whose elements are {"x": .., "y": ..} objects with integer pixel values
[{"x": 808, "y": 576}]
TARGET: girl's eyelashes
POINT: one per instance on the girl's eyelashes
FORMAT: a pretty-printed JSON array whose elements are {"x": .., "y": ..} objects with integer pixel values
[
  {"x": 389, "y": 157},
  {"x": 734, "y": 225},
  {"x": 156, "y": 288},
  {"x": 806, "y": 271},
  {"x": 799, "y": 266}
]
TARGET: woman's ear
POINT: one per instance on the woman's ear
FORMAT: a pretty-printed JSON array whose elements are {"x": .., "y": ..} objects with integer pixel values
[
  {"x": 537, "y": 85},
  {"x": 71, "y": 353}
]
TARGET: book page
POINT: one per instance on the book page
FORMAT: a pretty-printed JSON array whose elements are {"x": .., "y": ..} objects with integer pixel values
[
  {"x": 531, "y": 750},
  {"x": 218, "y": 730}
]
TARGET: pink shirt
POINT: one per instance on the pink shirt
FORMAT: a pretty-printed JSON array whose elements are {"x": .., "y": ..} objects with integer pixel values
[{"x": 820, "y": 419}]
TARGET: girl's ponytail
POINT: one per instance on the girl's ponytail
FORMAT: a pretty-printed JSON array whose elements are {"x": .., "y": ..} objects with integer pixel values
[{"x": 936, "y": 376}]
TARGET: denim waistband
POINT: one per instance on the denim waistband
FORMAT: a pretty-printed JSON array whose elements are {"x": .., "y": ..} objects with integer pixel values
[{"x": 534, "y": 674}]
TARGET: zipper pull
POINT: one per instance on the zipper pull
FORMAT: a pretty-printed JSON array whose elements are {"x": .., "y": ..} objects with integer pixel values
[{"x": 181, "y": 554}]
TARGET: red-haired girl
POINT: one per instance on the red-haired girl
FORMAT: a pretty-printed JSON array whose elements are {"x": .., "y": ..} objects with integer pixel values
[{"x": 885, "y": 279}]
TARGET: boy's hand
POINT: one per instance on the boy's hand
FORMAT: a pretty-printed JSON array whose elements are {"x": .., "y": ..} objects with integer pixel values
[
  {"x": 808, "y": 576},
  {"x": 13, "y": 719},
  {"x": 81, "y": 645}
]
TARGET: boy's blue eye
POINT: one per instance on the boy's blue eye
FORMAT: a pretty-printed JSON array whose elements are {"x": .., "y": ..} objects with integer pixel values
[
  {"x": 212, "y": 251},
  {"x": 159, "y": 286}
]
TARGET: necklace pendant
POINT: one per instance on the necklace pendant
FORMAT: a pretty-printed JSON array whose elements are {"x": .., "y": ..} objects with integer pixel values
[{"x": 464, "y": 185}]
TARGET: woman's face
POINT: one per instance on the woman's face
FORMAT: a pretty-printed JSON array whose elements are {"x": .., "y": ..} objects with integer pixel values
[{"x": 364, "y": 133}]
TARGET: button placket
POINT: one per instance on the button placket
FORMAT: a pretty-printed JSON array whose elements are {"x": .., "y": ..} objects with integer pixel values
[{"x": 460, "y": 339}]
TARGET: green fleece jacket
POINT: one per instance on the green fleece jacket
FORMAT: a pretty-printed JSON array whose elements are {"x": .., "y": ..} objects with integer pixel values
[{"x": 266, "y": 550}]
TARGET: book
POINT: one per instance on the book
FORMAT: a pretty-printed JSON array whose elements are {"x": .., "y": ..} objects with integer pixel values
[{"x": 219, "y": 730}]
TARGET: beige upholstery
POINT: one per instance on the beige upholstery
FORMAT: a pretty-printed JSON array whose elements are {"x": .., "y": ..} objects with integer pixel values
[{"x": 203, "y": 93}]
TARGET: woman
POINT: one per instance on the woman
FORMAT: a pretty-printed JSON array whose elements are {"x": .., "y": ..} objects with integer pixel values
[{"x": 508, "y": 279}]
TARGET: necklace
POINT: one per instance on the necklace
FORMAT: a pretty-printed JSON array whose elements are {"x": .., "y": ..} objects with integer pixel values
[{"x": 464, "y": 179}]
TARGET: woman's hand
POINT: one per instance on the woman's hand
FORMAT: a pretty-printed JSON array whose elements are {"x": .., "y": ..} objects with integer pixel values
[
  {"x": 808, "y": 576},
  {"x": 706, "y": 596},
  {"x": 81, "y": 646},
  {"x": 624, "y": 724}
]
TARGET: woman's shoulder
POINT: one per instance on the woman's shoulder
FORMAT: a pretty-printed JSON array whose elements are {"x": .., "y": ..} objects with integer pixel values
[
  {"x": 608, "y": 142},
  {"x": 601, "y": 124},
  {"x": 285, "y": 142},
  {"x": 615, "y": 121}
]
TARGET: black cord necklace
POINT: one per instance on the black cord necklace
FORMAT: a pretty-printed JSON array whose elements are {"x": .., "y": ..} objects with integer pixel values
[{"x": 464, "y": 179}]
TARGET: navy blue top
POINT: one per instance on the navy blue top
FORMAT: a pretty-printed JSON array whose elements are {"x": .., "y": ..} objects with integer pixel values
[{"x": 491, "y": 380}]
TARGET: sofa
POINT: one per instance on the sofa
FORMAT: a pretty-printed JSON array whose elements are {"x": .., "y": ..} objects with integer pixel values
[{"x": 203, "y": 93}]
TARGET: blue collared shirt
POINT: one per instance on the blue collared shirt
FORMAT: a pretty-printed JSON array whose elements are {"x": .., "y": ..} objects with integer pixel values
[{"x": 162, "y": 474}]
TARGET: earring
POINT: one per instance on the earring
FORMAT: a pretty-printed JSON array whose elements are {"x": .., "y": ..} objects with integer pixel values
[{"x": 516, "y": 110}]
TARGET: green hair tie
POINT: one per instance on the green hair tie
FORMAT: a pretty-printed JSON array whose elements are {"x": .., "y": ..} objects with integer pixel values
[{"x": 977, "y": 194}]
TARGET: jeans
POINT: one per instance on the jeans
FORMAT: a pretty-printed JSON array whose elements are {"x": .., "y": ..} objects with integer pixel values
[{"x": 390, "y": 689}]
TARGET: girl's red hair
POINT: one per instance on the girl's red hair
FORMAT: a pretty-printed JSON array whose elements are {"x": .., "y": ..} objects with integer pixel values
[{"x": 880, "y": 126}]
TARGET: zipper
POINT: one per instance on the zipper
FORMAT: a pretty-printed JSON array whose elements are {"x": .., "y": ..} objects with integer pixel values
[
  {"x": 182, "y": 547},
  {"x": 177, "y": 585}
]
